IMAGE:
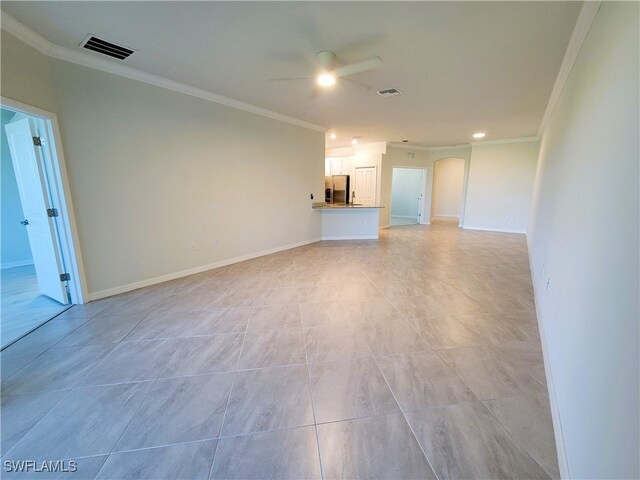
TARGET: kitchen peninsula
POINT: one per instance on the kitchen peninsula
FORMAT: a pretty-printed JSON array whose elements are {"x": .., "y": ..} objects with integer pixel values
[{"x": 348, "y": 221}]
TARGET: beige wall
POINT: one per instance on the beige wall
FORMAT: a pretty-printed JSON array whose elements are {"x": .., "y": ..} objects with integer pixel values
[
  {"x": 448, "y": 180},
  {"x": 401, "y": 157},
  {"x": 583, "y": 242},
  {"x": 500, "y": 186},
  {"x": 152, "y": 171}
]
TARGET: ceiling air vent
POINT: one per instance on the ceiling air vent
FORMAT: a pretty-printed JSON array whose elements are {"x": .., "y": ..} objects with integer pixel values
[
  {"x": 106, "y": 48},
  {"x": 389, "y": 92}
]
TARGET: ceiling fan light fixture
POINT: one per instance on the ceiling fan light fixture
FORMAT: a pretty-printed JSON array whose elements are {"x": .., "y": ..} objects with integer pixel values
[{"x": 326, "y": 80}]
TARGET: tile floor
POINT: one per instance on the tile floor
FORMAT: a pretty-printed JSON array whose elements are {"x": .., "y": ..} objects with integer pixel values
[
  {"x": 415, "y": 356},
  {"x": 398, "y": 221},
  {"x": 23, "y": 307}
]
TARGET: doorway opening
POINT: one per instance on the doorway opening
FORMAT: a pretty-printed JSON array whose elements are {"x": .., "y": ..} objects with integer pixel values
[
  {"x": 40, "y": 272},
  {"x": 448, "y": 181},
  {"x": 407, "y": 195}
]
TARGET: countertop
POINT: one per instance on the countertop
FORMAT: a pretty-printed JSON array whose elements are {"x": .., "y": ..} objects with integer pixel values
[{"x": 323, "y": 205}]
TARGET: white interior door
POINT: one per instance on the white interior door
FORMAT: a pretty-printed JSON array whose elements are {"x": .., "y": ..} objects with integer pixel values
[
  {"x": 32, "y": 187},
  {"x": 365, "y": 186}
]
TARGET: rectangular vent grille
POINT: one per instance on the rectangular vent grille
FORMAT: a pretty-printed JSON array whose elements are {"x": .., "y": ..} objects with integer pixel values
[
  {"x": 106, "y": 48},
  {"x": 389, "y": 92}
]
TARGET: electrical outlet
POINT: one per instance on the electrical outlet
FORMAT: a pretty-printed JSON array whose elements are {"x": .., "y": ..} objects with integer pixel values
[
  {"x": 193, "y": 246},
  {"x": 217, "y": 243}
]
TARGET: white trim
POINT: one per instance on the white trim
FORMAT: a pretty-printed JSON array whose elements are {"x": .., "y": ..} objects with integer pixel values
[
  {"x": 61, "y": 194},
  {"x": 580, "y": 31},
  {"x": 404, "y": 216},
  {"x": 563, "y": 464},
  {"x": 459, "y": 146},
  {"x": 446, "y": 216},
  {"x": 191, "y": 271},
  {"x": 487, "y": 229},
  {"x": 352, "y": 237},
  {"x": 408, "y": 146},
  {"x": 30, "y": 37},
  {"x": 504, "y": 140},
  {"x": 16, "y": 264}
]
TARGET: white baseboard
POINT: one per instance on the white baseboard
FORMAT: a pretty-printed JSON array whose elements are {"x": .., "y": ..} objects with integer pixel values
[
  {"x": 487, "y": 229},
  {"x": 353, "y": 237},
  {"x": 18, "y": 263},
  {"x": 561, "y": 451},
  {"x": 403, "y": 216},
  {"x": 191, "y": 271},
  {"x": 446, "y": 216}
]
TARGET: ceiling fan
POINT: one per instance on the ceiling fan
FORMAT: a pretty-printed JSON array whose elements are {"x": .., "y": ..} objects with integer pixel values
[{"x": 329, "y": 71}]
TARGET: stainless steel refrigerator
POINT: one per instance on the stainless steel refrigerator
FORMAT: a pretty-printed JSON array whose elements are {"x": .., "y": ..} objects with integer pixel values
[{"x": 337, "y": 189}]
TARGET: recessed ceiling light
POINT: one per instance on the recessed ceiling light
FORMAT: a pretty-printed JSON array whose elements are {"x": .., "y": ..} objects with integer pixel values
[
  {"x": 354, "y": 141},
  {"x": 332, "y": 136},
  {"x": 479, "y": 135},
  {"x": 326, "y": 80}
]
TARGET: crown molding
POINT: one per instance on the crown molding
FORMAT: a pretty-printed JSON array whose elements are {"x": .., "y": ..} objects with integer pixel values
[
  {"x": 408, "y": 146},
  {"x": 459, "y": 146},
  {"x": 28, "y": 36},
  {"x": 504, "y": 140},
  {"x": 580, "y": 31}
]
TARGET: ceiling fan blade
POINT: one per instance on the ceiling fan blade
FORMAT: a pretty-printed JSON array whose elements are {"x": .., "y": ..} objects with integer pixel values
[{"x": 353, "y": 68}]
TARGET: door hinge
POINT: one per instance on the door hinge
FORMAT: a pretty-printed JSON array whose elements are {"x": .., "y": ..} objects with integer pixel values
[
  {"x": 37, "y": 141},
  {"x": 65, "y": 277},
  {"x": 52, "y": 212}
]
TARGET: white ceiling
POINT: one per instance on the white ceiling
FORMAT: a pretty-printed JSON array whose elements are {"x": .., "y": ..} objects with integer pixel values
[{"x": 461, "y": 67}]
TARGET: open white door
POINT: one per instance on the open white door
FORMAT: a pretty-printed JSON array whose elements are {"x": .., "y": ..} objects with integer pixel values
[{"x": 32, "y": 187}]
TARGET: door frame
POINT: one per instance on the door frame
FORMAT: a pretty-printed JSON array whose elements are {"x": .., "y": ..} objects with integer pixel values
[
  {"x": 421, "y": 210},
  {"x": 48, "y": 128},
  {"x": 375, "y": 189}
]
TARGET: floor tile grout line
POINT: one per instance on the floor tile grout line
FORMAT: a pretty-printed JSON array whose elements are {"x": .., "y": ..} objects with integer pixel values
[
  {"x": 135, "y": 413},
  {"x": 45, "y": 350},
  {"x": 401, "y": 412},
  {"x": 34, "y": 329},
  {"x": 226, "y": 408},
  {"x": 514, "y": 439},
  {"x": 36, "y": 423},
  {"x": 313, "y": 408},
  {"x": 479, "y": 400}
]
